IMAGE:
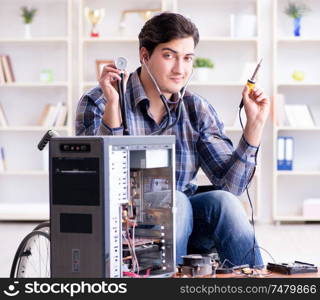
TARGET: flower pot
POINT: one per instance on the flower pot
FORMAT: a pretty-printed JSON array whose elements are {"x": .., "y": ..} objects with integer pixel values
[
  {"x": 201, "y": 74},
  {"x": 27, "y": 31}
]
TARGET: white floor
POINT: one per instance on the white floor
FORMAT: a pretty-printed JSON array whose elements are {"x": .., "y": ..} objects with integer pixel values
[{"x": 284, "y": 242}]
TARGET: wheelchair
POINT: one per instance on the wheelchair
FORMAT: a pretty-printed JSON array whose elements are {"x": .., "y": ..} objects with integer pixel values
[{"x": 32, "y": 258}]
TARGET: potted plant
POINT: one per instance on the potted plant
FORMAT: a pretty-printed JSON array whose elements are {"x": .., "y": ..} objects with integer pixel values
[
  {"x": 202, "y": 66},
  {"x": 27, "y": 15},
  {"x": 296, "y": 11}
]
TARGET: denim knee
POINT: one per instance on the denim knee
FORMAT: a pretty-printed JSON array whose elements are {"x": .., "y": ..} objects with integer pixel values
[
  {"x": 221, "y": 206},
  {"x": 220, "y": 220},
  {"x": 183, "y": 224},
  {"x": 183, "y": 217}
]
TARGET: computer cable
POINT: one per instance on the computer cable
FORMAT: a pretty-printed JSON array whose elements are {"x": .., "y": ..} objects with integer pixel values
[{"x": 251, "y": 84}]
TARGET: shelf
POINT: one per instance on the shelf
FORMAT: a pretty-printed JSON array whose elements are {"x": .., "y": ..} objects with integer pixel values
[
  {"x": 295, "y": 218},
  {"x": 298, "y": 173},
  {"x": 128, "y": 39},
  {"x": 34, "y": 40},
  {"x": 110, "y": 40},
  {"x": 216, "y": 83},
  {"x": 299, "y": 84},
  {"x": 282, "y": 128},
  {"x": 226, "y": 39},
  {"x": 32, "y": 128},
  {"x": 297, "y": 39},
  {"x": 213, "y": 39},
  {"x": 24, "y": 211},
  {"x": 90, "y": 83},
  {"x": 24, "y": 173},
  {"x": 24, "y": 192},
  {"x": 36, "y": 84}
]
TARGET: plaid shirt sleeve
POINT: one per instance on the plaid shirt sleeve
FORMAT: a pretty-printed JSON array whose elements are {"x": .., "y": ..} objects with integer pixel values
[
  {"x": 227, "y": 168},
  {"x": 89, "y": 117}
]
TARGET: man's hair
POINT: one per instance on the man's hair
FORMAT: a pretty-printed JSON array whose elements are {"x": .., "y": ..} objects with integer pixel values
[{"x": 165, "y": 27}]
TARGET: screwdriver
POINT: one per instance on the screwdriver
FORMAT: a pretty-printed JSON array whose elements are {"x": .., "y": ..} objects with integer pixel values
[{"x": 252, "y": 81}]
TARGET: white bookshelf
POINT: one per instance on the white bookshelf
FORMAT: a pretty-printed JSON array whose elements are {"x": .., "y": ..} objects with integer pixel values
[
  {"x": 226, "y": 80},
  {"x": 33, "y": 128},
  {"x": 290, "y": 188},
  {"x": 24, "y": 173},
  {"x": 50, "y": 47},
  {"x": 24, "y": 211},
  {"x": 35, "y": 84},
  {"x": 24, "y": 186},
  {"x": 35, "y": 40}
]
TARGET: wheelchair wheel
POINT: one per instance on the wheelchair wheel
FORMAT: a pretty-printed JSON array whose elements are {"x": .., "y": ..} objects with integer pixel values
[
  {"x": 44, "y": 226},
  {"x": 32, "y": 258}
]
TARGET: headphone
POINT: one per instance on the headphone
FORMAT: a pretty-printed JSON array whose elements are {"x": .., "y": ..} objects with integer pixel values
[
  {"x": 165, "y": 101},
  {"x": 121, "y": 64}
]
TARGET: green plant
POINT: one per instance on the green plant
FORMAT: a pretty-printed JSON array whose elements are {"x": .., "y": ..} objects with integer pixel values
[
  {"x": 296, "y": 10},
  {"x": 28, "y": 14},
  {"x": 201, "y": 62}
]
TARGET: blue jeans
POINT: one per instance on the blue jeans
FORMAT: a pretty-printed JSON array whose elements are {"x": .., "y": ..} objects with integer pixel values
[{"x": 215, "y": 219}]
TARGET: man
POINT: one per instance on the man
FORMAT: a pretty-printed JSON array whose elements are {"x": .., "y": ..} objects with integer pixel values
[{"x": 205, "y": 220}]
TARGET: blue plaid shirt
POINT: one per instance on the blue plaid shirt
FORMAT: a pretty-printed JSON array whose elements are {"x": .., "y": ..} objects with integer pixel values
[{"x": 200, "y": 137}]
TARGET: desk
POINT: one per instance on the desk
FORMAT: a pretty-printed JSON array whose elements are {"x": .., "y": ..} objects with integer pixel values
[{"x": 270, "y": 275}]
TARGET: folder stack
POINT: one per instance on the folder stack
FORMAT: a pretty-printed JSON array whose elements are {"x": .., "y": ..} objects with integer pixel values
[{"x": 285, "y": 153}]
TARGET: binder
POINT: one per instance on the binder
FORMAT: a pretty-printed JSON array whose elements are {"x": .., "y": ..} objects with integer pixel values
[
  {"x": 288, "y": 153},
  {"x": 281, "y": 153},
  {"x": 3, "y": 165},
  {"x": 285, "y": 153}
]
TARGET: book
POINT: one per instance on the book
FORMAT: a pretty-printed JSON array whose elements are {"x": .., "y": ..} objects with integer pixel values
[
  {"x": 43, "y": 115},
  {"x": 48, "y": 121},
  {"x": 56, "y": 113},
  {"x": 279, "y": 113},
  {"x": 61, "y": 120},
  {"x": 13, "y": 79},
  {"x": 315, "y": 112},
  {"x": 52, "y": 115},
  {"x": 2, "y": 78},
  {"x": 3, "y": 118},
  {"x": 3, "y": 163},
  {"x": 7, "y": 68},
  {"x": 298, "y": 115}
]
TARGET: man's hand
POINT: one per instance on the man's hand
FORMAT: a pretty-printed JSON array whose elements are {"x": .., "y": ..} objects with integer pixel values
[
  {"x": 108, "y": 82},
  {"x": 257, "y": 108},
  {"x": 256, "y": 105}
]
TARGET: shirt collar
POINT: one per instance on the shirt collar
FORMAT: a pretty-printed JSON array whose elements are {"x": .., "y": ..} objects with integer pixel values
[
  {"x": 139, "y": 93},
  {"x": 137, "y": 88}
]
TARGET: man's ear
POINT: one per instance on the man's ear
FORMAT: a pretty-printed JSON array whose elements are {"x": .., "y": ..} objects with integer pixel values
[{"x": 144, "y": 55}]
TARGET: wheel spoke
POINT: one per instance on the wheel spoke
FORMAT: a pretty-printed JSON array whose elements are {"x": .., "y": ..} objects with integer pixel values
[{"x": 34, "y": 257}]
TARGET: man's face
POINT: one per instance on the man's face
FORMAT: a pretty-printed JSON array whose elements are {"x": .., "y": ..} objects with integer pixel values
[{"x": 171, "y": 64}]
